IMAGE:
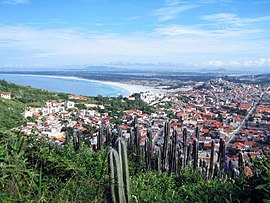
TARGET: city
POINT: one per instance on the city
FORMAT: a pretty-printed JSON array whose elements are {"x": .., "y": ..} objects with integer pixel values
[{"x": 238, "y": 113}]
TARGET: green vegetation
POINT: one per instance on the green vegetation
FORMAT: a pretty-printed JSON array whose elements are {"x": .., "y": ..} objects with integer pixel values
[
  {"x": 32, "y": 171},
  {"x": 22, "y": 96},
  {"x": 29, "y": 95},
  {"x": 10, "y": 114},
  {"x": 115, "y": 107}
]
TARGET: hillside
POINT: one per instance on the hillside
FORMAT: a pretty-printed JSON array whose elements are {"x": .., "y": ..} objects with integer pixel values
[{"x": 11, "y": 110}]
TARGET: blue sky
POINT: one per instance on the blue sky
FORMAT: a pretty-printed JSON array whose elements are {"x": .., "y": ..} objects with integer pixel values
[{"x": 180, "y": 33}]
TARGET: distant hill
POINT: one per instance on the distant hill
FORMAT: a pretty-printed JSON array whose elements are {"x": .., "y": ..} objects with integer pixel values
[
  {"x": 103, "y": 69},
  {"x": 262, "y": 78},
  {"x": 218, "y": 70}
]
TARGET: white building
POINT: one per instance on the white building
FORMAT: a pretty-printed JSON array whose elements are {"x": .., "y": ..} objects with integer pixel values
[
  {"x": 28, "y": 114},
  {"x": 5, "y": 95},
  {"x": 150, "y": 97},
  {"x": 69, "y": 104}
]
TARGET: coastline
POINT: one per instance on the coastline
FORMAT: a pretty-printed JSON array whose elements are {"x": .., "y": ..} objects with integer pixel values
[{"x": 128, "y": 89}]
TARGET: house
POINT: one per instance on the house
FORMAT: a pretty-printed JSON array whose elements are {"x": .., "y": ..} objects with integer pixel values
[
  {"x": 69, "y": 104},
  {"x": 73, "y": 96},
  {"x": 5, "y": 95},
  {"x": 28, "y": 114}
]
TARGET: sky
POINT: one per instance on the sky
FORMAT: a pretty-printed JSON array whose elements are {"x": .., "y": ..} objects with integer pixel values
[{"x": 129, "y": 33}]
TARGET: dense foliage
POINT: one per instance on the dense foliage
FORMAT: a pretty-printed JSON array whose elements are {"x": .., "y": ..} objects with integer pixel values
[
  {"x": 10, "y": 114},
  {"x": 33, "y": 171}
]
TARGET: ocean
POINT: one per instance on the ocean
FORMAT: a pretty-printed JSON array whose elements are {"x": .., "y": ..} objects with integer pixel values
[{"x": 67, "y": 85}]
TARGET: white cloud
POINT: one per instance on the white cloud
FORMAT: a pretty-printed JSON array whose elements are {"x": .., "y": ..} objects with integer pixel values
[
  {"x": 177, "y": 30},
  {"x": 15, "y": 2},
  {"x": 172, "y": 2},
  {"x": 172, "y": 11},
  {"x": 25, "y": 45},
  {"x": 173, "y": 8},
  {"x": 233, "y": 19},
  {"x": 262, "y": 62},
  {"x": 174, "y": 30}
]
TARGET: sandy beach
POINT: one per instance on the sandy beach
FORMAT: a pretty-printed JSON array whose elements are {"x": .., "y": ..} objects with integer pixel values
[{"x": 128, "y": 88}]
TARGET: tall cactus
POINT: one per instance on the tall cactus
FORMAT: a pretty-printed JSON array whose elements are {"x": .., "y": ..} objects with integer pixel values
[
  {"x": 195, "y": 153},
  {"x": 100, "y": 144},
  {"x": 165, "y": 144},
  {"x": 216, "y": 171},
  {"x": 211, "y": 167},
  {"x": 197, "y": 135},
  {"x": 135, "y": 121},
  {"x": 137, "y": 143},
  {"x": 120, "y": 131},
  {"x": 114, "y": 136},
  {"x": 108, "y": 135},
  {"x": 222, "y": 155},
  {"x": 121, "y": 148},
  {"x": 147, "y": 155},
  {"x": 76, "y": 140},
  {"x": 189, "y": 149},
  {"x": 159, "y": 159},
  {"x": 116, "y": 177},
  {"x": 206, "y": 171},
  {"x": 180, "y": 161},
  {"x": 241, "y": 162},
  {"x": 200, "y": 162},
  {"x": 131, "y": 136},
  {"x": 67, "y": 136},
  {"x": 184, "y": 147},
  {"x": 173, "y": 159},
  {"x": 150, "y": 139}
]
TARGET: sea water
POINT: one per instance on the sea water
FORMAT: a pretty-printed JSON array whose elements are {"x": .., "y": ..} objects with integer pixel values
[{"x": 67, "y": 85}]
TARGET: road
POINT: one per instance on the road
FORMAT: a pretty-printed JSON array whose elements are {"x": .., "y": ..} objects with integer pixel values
[{"x": 228, "y": 143}]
